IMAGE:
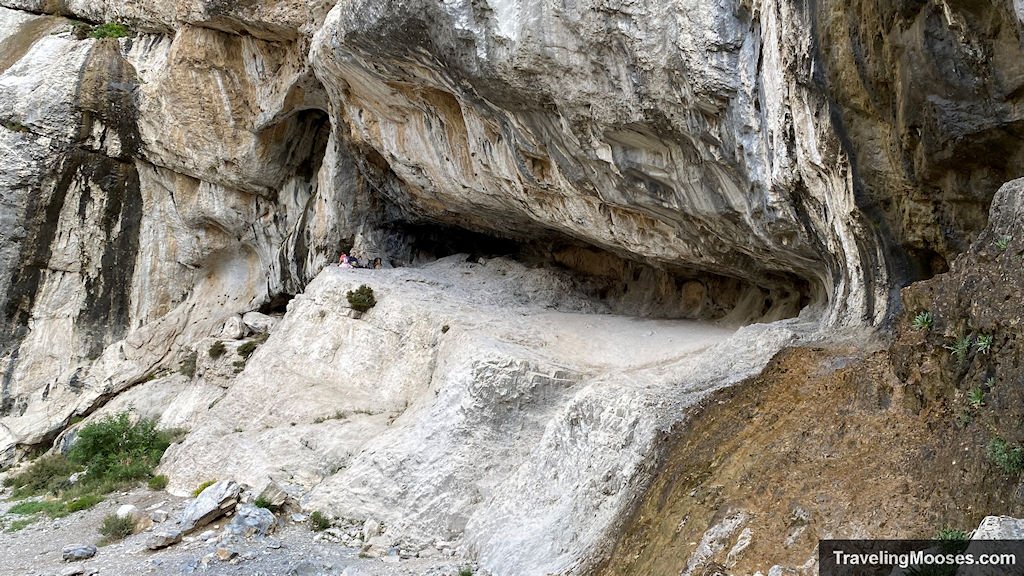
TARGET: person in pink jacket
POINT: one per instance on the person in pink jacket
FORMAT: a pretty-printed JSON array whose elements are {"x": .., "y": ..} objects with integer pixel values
[{"x": 344, "y": 261}]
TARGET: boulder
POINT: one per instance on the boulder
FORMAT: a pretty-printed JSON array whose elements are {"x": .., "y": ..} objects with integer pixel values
[
  {"x": 163, "y": 539},
  {"x": 999, "y": 528},
  {"x": 128, "y": 511},
  {"x": 215, "y": 501},
  {"x": 371, "y": 528},
  {"x": 234, "y": 329},
  {"x": 78, "y": 552},
  {"x": 252, "y": 521},
  {"x": 218, "y": 499},
  {"x": 260, "y": 323},
  {"x": 274, "y": 495}
]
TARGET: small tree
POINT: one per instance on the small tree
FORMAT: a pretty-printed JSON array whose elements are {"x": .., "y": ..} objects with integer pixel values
[{"x": 361, "y": 299}]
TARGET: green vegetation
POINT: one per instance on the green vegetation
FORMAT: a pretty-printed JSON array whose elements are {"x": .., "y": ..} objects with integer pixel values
[
  {"x": 318, "y": 522},
  {"x": 922, "y": 321},
  {"x": 964, "y": 419},
  {"x": 361, "y": 299},
  {"x": 85, "y": 502},
  {"x": 960, "y": 347},
  {"x": 951, "y": 534},
  {"x": 115, "y": 451},
  {"x": 15, "y": 127},
  {"x": 217, "y": 349},
  {"x": 51, "y": 508},
  {"x": 976, "y": 397},
  {"x": 984, "y": 343},
  {"x": 199, "y": 489},
  {"x": 338, "y": 415},
  {"x": 466, "y": 572},
  {"x": 19, "y": 524},
  {"x": 1003, "y": 243},
  {"x": 47, "y": 474},
  {"x": 111, "y": 30},
  {"x": 188, "y": 365},
  {"x": 115, "y": 528},
  {"x": 246, "y": 349},
  {"x": 264, "y": 503},
  {"x": 1006, "y": 455},
  {"x": 158, "y": 482}
]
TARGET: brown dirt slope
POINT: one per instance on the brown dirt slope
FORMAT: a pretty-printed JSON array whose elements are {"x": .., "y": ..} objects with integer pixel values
[{"x": 841, "y": 443}]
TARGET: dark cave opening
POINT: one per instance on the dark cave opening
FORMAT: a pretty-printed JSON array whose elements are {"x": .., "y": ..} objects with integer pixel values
[{"x": 626, "y": 285}]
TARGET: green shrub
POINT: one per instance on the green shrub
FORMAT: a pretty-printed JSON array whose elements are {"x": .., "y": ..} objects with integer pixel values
[
  {"x": 199, "y": 489},
  {"x": 217, "y": 349},
  {"x": 21, "y": 523},
  {"x": 47, "y": 474},
  {"x": 85, "y": 502},
  {"x": 188, "y": 365},
  {"x": 466, "y": 572},
  {"x": 15, "y": 127},
  {"x": 1003, "y": 242},
  {"x": 951, "y": 534},
  {"x": 318, "y": 522},
  {"x": 111, "y": 30},
  {"x": 1006, "y": 455},
  {"x": 976, "y": 397},
  {"x": 115, "y": 450},
  {"x": 264, "y": 503},
  {"x": 246, "y": 349},
  {"x": 338, "y": 415},
  {"x": 922, "y": 321},
  {"x": 29, "y": 507},
  {"x": 984, "y": 343},
  {"x": 115, "y": 528},
  {"x": 361, "y": 299},
  {"x": 158, "y": 482},
  {"x": 959, "y": 349}
]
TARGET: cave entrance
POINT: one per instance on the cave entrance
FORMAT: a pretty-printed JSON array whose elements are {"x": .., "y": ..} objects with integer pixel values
[{"x": 625, "y": 285}]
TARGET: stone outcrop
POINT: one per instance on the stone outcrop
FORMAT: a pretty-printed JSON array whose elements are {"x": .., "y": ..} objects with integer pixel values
[{"x": 216, "y": 500}]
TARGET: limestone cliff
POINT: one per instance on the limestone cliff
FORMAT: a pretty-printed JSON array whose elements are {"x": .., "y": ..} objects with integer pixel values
[{"x": 737, "y": 161}]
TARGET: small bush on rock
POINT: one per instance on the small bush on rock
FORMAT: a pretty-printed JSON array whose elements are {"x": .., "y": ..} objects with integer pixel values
[
  {"x": 115, "y": 528},
  {"x": 1006, "y": 455},
  {"x": 217, "y": 349},
  {"x": 361, "y": 299},
  {"x": 959, "y": 349},
  {"x": 199, "y": 489},
  {"x": 951, "y": 534},
  {"x": 111, "y": 30},
  {"x": 318, "y": 522},
  {"x": 188, "y": 365},
  {"x": 922, "y": 321},
  {"x": 246, "y": 350},
  {"x": 158, "y": 482}
]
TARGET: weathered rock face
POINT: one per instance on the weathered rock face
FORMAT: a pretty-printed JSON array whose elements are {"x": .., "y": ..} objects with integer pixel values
[
  {"x": 737, "y": 161},
  {"x": 931, "y": 107}
]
